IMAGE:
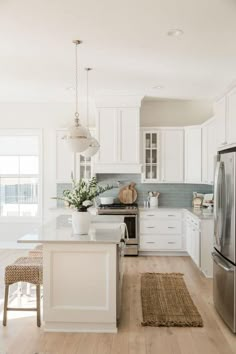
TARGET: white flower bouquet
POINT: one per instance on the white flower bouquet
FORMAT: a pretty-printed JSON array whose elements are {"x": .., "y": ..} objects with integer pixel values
[{"x": 82, "y": 194}]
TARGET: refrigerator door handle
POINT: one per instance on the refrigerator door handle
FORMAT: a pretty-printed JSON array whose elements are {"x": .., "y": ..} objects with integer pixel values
[
  {"x": 216, "y": 201},
  {"x": 221, "y": 263}
]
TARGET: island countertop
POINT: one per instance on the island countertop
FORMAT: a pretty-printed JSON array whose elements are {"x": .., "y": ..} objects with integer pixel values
[{"x": 104, "y": 230}]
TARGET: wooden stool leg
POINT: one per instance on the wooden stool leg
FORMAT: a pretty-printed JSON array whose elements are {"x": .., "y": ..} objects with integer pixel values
[
  {"x": 38, "y": 305},
  {"x": 5, "y": 305}
]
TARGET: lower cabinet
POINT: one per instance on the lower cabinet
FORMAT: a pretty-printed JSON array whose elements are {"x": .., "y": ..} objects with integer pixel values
[
  {"x": 199, "y": 242},
  {"x": 177, "y": 231},
  {"x": 161, "y": 230},
  {"x": 193, "y": 235}
]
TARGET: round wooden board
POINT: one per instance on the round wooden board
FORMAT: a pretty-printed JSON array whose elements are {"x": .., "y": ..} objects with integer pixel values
[{"x": 128, "y": 194}]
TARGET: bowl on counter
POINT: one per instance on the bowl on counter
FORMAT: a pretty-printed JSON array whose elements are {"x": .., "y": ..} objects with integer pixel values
[{"x": 106, "y": 200}]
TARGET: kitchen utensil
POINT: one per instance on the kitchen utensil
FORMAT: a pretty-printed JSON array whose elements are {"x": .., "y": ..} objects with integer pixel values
[
  {"x": 106, "y": 200},
  {"x": 128, "y": 194},
  {"x": 153, "y": 200}
]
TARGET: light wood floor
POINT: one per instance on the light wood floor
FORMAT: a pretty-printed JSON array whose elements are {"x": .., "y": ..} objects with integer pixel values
[{"x": 21, "y": 336}]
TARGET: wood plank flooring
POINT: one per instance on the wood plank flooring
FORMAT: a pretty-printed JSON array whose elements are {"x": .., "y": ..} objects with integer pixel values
[{"x": 21, "y": 336}]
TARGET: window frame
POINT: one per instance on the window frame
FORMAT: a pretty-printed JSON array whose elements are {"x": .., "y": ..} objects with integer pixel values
[{"x": 39, "y": 134}]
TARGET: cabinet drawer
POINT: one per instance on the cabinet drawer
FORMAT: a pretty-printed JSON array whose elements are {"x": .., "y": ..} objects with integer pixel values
[
  {"x": 156, "y": 214},
  {"x": 158, "y": 227},
  {"x": 160, "y": 243}
]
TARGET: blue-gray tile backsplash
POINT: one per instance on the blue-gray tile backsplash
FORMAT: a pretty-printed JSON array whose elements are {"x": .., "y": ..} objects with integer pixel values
[{"x": 171, "y": 195}]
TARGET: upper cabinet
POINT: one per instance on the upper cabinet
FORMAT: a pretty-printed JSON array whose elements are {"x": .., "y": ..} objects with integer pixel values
[
  {"x": 209, "y": 150},
  {"x": 225, "y": 115},
  {"x": 151, "y": 156},
  {"x": 231, "y": 117},
  {"x": 118, "y": 135},
  {"x": 163, "y": 155},
  {"x": 172, "y": 155},
  {"x": 193, "y": 154},
  {"x": 220, "y": 117}
]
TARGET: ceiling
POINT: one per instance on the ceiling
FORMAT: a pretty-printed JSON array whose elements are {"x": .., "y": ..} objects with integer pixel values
[{"x": 125, "y": 42}]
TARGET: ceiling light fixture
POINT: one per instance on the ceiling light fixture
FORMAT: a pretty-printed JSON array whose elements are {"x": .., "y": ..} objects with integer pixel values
[
  {"x": 175, "y": 32},
  {"x": 78, "y": 137},
  {"x": 94, "y": 144}
]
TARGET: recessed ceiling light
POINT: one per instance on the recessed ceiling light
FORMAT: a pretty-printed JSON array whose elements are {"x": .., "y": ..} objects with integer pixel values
[
  {"x": 175, "y": 32},
  {"x": 158, "y": 87}
]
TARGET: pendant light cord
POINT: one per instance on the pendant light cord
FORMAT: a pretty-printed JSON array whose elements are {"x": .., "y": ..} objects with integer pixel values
[
  {"x": 87, "y": 100},
  {"x": 77, "y": 42}
]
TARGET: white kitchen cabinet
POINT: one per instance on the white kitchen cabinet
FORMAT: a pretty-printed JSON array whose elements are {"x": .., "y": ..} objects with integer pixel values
[
  {"x": 151, "y": 156},
  {"x": 205, "y": 154},
  {"x": 118, "y": 135},
  {"x": 209, "y": 150},
  {"x": 220, "y": 116},
  {"x": 163, "y": 155},
  {"x": 65, "y": 162},
  {"x": 199, "y": 242},
  {"x": 193, "y": 158},
  {"x": 207, "y": 236},
  {"x": 193, "y": 238},
  {"x": 161, "y": 231},
  {"x": 231, "y": 117},
  {"x": 172, "y": 155},
  {"x": 68, "y": 163}
]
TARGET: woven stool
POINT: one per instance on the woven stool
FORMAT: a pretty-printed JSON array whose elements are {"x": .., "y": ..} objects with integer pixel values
[
  {"x": 25, "y": 269},
  {"x": 36, "y": 252}
]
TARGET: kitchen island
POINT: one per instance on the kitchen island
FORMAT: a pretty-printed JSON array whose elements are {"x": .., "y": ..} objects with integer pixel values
[{"x": 81, "y": 274}]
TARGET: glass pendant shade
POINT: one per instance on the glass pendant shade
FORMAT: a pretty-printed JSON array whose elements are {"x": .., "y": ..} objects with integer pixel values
[
  {"x": 92, "y": 149},
  {"x": 78, "y": 138}
]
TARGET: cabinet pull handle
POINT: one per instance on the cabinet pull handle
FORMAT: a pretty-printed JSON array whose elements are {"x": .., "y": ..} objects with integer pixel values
[
  {"x": 150, "y": 242},
  {"x": 171, "y": 215},
  {"x": 150, "y": 215},
  {"x": 171, "y": 227},
  {"x": 151, "y": 227},
  {"x": 171, "y": 243}
]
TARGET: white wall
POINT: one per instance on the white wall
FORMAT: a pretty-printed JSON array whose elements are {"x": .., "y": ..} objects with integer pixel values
[
  {"x": 175, "y": 112},
  {"x": 48, "y": 117}
]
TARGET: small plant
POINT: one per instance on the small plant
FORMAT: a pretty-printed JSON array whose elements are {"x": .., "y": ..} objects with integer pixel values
[{"x": 82, "y": 194}]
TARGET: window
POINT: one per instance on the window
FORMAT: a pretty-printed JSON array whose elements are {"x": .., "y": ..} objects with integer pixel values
[{"x": 20, "y": 173}]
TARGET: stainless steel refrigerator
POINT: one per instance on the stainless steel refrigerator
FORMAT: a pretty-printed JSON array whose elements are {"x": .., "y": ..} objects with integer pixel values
[{"x": 224, "y": 255}]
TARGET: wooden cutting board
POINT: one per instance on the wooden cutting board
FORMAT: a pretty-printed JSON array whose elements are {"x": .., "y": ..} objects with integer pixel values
[{"x": 128, "y": 194}]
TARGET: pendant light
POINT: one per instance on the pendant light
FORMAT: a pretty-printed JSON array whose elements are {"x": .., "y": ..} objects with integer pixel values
[
  {"x": 78, "y": 137},
  {"x": 94, "y": 144}
]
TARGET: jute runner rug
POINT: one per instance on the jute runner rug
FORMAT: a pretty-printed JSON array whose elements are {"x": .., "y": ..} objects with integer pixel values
[{"x": 167, "y": 302}]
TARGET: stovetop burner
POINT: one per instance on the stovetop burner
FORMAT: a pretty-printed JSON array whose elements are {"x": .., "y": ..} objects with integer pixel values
[{"x": 118, "y": 206}]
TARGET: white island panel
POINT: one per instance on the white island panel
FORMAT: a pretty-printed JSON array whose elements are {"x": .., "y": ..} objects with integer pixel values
[{"x": 80, "y": 287}]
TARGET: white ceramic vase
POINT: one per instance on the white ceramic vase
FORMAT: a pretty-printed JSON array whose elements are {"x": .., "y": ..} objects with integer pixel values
[{"x": 81, "y": 222}]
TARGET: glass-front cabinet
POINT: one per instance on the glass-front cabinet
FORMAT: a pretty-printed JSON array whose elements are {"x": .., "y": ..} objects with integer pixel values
[
  {"x": 151, "y": 156},
  {"x": 83, "y": 167}
]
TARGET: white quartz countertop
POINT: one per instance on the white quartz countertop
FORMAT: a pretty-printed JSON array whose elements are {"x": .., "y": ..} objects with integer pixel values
[
  {"x": 201, "y": 213},
  {"x": 103, "y": 229}
]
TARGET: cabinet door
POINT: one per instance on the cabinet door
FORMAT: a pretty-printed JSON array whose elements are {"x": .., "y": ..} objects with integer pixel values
[
  {"x": 128, "y": 135},
  {"x": 231, "y": 122},
  {"x": 211, "y": 150},
  {"x": 193, "y": 155},
  {"x": 220, "y": 115},
  {"x": 151, "y": 154},
  {"x": 196, "y": 253},
  {"x": 172, "y": 154},
  {"x": 64, "y": 159},
  {"x": 188, "y": 238},
  {"x": 205, "y": 154},
  {"x": 107, "y": 135}
]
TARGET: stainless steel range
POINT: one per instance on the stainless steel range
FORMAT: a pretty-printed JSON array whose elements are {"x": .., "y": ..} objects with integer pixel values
[{"x": 130, "y": 212}]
